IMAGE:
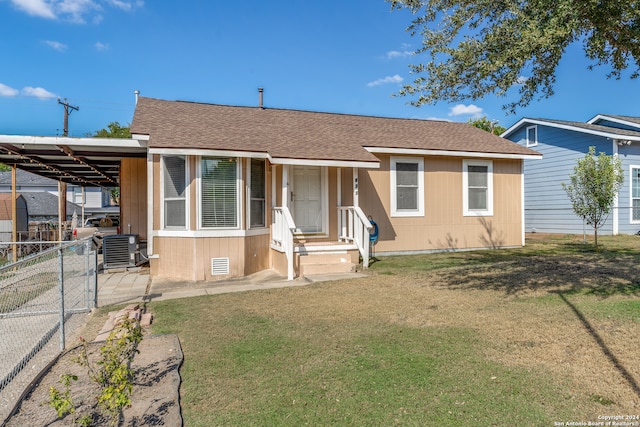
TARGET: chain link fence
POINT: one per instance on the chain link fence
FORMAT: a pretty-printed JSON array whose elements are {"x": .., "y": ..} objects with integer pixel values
[{"x": 44, "y": 300}]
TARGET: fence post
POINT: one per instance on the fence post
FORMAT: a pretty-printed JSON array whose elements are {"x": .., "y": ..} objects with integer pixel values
[
  {"x": 61, "y": 288},
  {"x": 95, "y": 274},
  {"x": 87, "y": 291}
]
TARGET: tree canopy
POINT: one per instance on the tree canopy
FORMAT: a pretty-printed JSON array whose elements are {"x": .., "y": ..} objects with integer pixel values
[
  {"x": 113, "y": 130},
  {"x": 594, "y": 186},
  {"x": 482, "y": 47},
  {"x": 488, "y": 125}
]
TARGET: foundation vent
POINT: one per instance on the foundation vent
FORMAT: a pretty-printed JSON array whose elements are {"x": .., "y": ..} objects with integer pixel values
[{"x": 219, "y": 266}]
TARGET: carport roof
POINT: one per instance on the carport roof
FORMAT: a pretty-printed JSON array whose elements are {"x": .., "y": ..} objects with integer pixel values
[{"x": 91, "y": 162}]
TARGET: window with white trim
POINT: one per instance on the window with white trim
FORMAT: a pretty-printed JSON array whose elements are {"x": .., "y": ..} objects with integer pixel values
[
  {"x": 257, "y": 193},
  {"x": 635, "y": 194},
  {"x": 219, "y": 201},
  {"x": 532, "y": 136},
  {"x": 477, "y": 178},
  {"x": 174, "y": 192},
  {"x": 407, "y": 186}
]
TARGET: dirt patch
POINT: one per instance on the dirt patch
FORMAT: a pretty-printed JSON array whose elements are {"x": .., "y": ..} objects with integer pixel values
[{"x": 155, "y": 399}]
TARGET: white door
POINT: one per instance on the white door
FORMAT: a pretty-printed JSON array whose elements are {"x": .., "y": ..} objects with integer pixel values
[{"x": 306, "y": 199}]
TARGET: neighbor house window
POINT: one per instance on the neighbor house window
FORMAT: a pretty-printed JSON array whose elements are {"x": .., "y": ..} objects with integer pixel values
[
  {"x": 532, "y": 136},
  {"x": 407, "y": 186},
  {"x": 219, "y": 192},
  {"x": 257, "y": 194},
  {"x": 478, "y": 187},
  {"x": 174, "y": 177},
  {"x": 635, "y": 193}
]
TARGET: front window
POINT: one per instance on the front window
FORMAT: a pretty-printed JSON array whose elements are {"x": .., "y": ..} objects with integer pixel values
[
  {"x": 174, "y": 176},
  {"x": 532, "y": 136},
  {"x": 219, "y": 193},
  {"x": 407, "y": 186},
  {"x": 635, "y": 194},
  {"x": 478, "y": 188},
  {"x": 257, "y": 194}
]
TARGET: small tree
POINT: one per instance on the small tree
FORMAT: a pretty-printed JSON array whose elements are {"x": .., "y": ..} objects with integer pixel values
[{"x": 594, "y": 186}]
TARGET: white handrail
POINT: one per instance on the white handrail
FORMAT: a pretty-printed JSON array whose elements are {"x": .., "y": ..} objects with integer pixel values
[
  {"x": 282, "y": 230},
  {"x": 354, "y": 227}
]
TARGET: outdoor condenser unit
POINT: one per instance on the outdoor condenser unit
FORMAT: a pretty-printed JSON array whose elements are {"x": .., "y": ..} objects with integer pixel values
[{"x": 120, "y": 251}]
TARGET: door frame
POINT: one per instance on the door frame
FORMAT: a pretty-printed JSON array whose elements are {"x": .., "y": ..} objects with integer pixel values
[{"x": 324, "y": 200}]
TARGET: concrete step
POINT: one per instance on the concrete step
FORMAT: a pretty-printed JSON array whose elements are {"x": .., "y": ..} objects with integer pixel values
[{"x": 325, "y": 262}]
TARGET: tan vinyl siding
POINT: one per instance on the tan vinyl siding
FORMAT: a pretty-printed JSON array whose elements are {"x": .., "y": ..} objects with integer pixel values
[
  {"x": 157, "y": 202},
  {"x": 444, "y": 227},
  {"x": 187, "y": 258},
  {"x": 133, "y": 197}
]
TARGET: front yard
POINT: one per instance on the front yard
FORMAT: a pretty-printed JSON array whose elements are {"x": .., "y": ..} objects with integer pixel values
[{"x": 546, "y": 334}]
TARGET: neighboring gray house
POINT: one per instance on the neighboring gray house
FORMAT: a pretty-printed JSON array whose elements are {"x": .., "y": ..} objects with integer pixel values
[
  {"x": 97, "y": 200},
  {"x": 6, "y": 215},
  {"x": 547, "y": 206},
  {"x": 43, "y": 207}
]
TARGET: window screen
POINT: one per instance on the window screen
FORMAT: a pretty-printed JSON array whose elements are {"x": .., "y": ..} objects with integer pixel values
[
  {"x": 406, "y": 186},
  {"x": 175, "y": 186},
  {"x": 478, "y": 187},
  {"x": 258, "y": 194}
]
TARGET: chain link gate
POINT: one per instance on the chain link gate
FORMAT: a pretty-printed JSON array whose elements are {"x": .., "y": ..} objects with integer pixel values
[{"x": 44, "y": 300}]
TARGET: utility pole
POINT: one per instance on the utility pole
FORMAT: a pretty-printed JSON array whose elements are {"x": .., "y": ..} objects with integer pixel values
[{"x": 68, "y": 109}]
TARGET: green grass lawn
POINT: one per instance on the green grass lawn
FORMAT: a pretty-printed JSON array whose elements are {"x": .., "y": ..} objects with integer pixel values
[{"x": 408, "y": 345}]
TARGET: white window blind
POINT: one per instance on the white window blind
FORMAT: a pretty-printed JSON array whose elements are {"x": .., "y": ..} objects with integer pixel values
[{"x": 219, "y": 193}]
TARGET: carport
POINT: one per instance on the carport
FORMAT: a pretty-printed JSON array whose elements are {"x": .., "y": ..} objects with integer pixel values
[{"x": 87, "y": 162}]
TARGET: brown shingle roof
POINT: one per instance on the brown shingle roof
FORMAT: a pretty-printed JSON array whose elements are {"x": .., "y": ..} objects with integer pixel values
[{"x": 294, "y": 134}]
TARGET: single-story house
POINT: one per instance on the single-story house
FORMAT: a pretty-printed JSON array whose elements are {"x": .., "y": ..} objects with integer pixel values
[
  {"x": 547, "y": 206},
  {"x": 96, "y": 200},
  {"x": 230, "y": 191}
]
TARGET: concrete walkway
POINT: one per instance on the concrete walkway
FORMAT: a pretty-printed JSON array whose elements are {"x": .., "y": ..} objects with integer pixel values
[{"x": 136, "y": 285}]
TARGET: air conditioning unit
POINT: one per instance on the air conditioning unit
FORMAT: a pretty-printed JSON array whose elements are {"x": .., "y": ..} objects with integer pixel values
[{"x": 120, "y": 251}]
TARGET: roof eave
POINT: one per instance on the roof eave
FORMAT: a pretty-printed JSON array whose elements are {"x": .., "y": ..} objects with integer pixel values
[
  {"x": 612, "y": 135},
  {"x": 427, "y": 152}
]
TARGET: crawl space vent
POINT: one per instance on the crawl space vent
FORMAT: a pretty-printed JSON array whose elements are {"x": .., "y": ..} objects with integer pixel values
[{"x": 219, "y": 266}]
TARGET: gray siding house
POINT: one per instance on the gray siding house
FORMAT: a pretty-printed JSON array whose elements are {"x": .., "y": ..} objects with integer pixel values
[{"x": 547, "y": 206}]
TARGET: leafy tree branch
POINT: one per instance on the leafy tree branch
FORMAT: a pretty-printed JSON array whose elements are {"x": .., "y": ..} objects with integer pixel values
[{"x": 482, "y": 47}]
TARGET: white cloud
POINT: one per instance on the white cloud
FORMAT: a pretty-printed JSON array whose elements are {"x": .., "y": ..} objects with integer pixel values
[
  {"x": 392, "y": 54},
  {"x": 75, "y": 10},
  {"x": 8, "y": 91},
  {"x": 37, "y": 92},
  {"x": 101, "y": 46},
  {"x": 389, "y": 79},
  {"x": 522, "y": 80},
  {"x": 40, "y": 8},
  {"x": 72, "y": 10},
  {"x": 466, "y": 110},
  {"x": 60, "y": 47}
]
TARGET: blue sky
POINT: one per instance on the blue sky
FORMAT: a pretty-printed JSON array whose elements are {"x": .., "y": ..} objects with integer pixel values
[{"x": 335, "y": 56}]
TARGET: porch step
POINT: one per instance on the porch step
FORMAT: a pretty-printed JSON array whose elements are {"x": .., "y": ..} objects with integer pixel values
[{"x": 324, "y": 263}]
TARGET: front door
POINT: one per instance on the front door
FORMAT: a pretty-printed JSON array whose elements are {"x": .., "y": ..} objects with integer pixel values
[{"x": 306, "y": 199}]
